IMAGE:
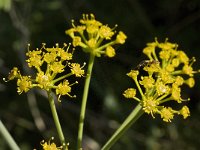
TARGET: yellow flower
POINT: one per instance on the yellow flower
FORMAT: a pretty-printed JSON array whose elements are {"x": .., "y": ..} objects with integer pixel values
[
  {"x": 50, "y": 57},
  {"x": 105, "y": 32},
  {"x": 70, "y": 32},
  {"x": 110, "y": 51},
  {"x": 130, "y": 93},
  {"x": 188, "y": 70},
  {"x": 14, "y": 73},
  {"x": 24, "y": 84},
  {"x": 92, "y": 29},
  {"x": 80, "y": 29},
  {"x": 179, "y": 81},
  {"x": 153, "y": 44},
  {"x": 90, "y": 20},
  {"x": 183, "y": 57},
  {"x": 77, "y": 69},
  {"x": 167, "y": 114},
  {"x": 76, "y": 41},
  {"x": 190, "y": 82},
  {"x": 65, "y": 55},
  {"x": 43, "y": 80},
  {"x": 147, "y": 82},
  {"x": 161, "y": 88},
  {"x": 185, "y": 112},
  {"x": 167, "y": 45},
  {"x": 176, "y": 93},
  {"x": 166, "y": 76},
  {"x": 152, "y": 67},
  {"x": 35, "y": 59},
  {"x": 133, "y": 74},
  {"x": 121, "y": 37},
  {"x": 150, "y": 105},
  {"x": 148, "y": 50},
  {"x": 63, "y": 88},
  {"x": 175, "y": 62},
  {"x": 92, "y": 43},
  {"x": 50, "y": 146},
  {"x": 170, "y": 68},
  {"x": 165, "y": 54},
  {"x": 57, "y": 67}
]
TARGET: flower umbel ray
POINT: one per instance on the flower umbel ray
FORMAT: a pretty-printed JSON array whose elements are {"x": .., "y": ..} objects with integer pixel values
[
  {"x": 168, "y": 69},
  {"x": 50, "y": 65}
]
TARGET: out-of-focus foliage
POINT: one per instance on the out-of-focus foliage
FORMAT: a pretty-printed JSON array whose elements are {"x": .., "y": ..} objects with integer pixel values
[{"x": 28, "y": 117}]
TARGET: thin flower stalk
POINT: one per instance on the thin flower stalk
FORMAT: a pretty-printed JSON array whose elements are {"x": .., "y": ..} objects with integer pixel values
[
  {"x": 84, "y": 100},
  {"x": 129, "y": 121},
  {"x": 9, "y": 139},
  {"x": 56, "y": 119},
  {"x": 97, "y": 40}
]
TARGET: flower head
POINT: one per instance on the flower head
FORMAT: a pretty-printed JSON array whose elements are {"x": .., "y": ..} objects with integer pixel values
[
  {"x": 94, "y": 37},
  {"x": 161, "y": 81},
  {"x": 49, "y": 64},
  {"x": 50, "y": 145}
]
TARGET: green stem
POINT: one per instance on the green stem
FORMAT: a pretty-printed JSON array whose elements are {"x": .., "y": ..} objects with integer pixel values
[
  {"x": 104, "y": 46},
  {"x": 62, "y": 77},
  {"x": 56, "y": 119},
  {"x": 11, "y": 142},
  {"x": 139, "y": 88},
  {"x": 84, "y": 101},
  {"x": 134, "y": 115}
]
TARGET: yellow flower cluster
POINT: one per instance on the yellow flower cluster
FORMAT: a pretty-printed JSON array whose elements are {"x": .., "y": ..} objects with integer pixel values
[
  {"x": 50, "y": 64},
  {"x": 50, "y": 146},
  {"x": 167, "y": 70},
  {"x": 92, "y": 34}
]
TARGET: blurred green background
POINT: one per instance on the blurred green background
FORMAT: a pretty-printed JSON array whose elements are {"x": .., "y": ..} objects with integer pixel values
[{"x": 28, "y": 116}]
